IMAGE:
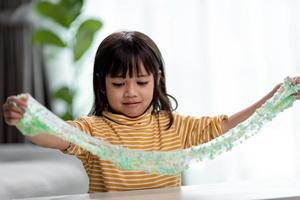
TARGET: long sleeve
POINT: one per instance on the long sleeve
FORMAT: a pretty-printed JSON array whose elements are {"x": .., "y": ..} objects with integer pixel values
[
  {"x": 194, "y": 131},
  {"x": 82, "y": 154}
]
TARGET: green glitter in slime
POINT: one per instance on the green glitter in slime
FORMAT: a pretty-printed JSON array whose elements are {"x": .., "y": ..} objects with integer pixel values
[{"x": 37, "y": 119}]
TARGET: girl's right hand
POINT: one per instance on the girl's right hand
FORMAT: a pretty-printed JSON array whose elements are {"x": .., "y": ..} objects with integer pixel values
[{"x": 13, "y": 109}]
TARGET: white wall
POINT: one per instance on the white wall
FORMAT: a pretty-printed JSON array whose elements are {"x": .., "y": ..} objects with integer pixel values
[{"x": 221, "y": 56}]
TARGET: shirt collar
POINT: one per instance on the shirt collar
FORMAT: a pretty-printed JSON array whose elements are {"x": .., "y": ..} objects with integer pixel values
[{"x": 142, "y": 120}]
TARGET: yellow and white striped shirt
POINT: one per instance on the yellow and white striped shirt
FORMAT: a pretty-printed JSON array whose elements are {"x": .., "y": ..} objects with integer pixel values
[{"x": 146, "y": 132}]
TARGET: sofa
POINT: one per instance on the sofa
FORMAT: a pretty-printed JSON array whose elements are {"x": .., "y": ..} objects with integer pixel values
[{"x": 27, "y": 171}]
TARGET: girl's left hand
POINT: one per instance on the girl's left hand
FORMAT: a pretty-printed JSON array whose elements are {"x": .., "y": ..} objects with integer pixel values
[{"x": 296, "y": 80}]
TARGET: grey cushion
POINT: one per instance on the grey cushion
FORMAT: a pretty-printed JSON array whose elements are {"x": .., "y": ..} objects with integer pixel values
[{"x": 31, "y": 171}]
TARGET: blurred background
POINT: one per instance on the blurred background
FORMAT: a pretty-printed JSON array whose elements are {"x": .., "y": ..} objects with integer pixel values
[{"x": 220, "y": 55}]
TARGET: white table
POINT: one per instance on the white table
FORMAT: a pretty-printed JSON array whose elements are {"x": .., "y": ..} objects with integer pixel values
[{"x": 276, "y": 189}]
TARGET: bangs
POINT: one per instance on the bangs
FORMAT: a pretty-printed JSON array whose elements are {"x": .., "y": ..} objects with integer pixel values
[{"x": 129, "y": 58}]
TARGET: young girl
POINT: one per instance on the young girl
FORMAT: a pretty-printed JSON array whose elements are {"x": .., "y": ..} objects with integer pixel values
[{"x": 132, "y": 108}]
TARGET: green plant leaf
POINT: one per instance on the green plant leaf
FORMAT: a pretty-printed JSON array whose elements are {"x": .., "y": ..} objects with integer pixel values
[
  {"x": 71, "y": 4},
  {"x": 91, "y": 25},
  {"x": 44, "y": 36},
  {"x": 84, "y": 37},
  {"x": 65, "y": 94},
  {"x": 67, "y": 116},
  {"x": 64, "y": 12}
]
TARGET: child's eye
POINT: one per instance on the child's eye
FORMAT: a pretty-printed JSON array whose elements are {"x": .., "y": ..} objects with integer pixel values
[
  {"x": 117, "y": 84},
  {"x": 142, "y": 83}
]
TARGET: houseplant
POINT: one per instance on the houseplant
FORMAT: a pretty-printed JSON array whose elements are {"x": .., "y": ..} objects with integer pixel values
[{"x": 66, "y": 17}]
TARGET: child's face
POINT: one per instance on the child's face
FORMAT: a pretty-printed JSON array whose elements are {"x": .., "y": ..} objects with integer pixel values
[{"x": 130, "y": 96}]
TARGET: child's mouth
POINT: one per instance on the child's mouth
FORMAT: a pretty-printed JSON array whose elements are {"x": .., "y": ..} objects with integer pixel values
[{"x": 131, "y": 104}]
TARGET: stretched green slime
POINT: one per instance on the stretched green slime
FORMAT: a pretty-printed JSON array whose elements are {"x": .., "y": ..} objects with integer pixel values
[{"x": 37, "y": 119}]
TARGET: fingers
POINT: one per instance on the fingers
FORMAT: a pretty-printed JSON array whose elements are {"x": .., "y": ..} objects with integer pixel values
[
  {"x": 296, "y": 80},
  {"x": 13, "y": 109},
  {"x": 19, "y": 102},
  {"x": 12, "y": 118},
  {"x": 297, "y": 96}
]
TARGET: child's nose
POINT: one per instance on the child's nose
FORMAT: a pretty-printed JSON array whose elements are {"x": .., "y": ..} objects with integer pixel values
[{"x": 130, "y": 90}]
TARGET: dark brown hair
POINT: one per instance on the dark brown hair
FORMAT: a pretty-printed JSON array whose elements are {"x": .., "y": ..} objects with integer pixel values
[{"x": 122, "y": 52}]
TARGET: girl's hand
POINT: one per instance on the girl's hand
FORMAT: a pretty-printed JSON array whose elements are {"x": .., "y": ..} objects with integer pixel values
[
  {"x": 13, "y": 109},
  {"x": 295, "y": 81}
]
